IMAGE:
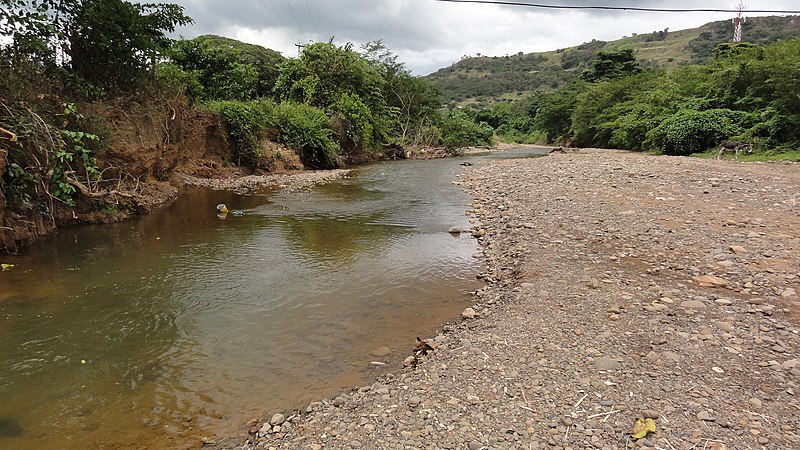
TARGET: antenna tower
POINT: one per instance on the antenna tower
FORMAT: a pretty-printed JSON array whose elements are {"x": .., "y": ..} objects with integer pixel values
[{"x": 737, "y": 22}]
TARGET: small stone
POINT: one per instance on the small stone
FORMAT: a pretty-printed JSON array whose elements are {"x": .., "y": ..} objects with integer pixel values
[
  {"x": 755, "y": 402},
  {"x": 607, "y": 364},
  {"x": 277, "y": 419},
  {"x": 693, "y": 304},
  {"x": 650, "y": 414},
  {"x": 724, "y": 326},
  {"x": 738, "y": 249},
  {"x": 475, "y": 445},
  {"x": 339, "y": 401},
  {"x": 469, "y": 313},
  {"x": 454, "y": 230},
  {"x": 414, "y": 401},
  {"x": 409, "y": 361},
  {"x": 763, "y": 440},
  {"x": 709, "y": 281},
  {"x": 381, "y": 352},
  {"x": 706, "y": 416}
]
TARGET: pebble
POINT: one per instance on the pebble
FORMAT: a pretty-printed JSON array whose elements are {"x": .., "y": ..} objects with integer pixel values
[
  {"x": 607, "y": 364},
  {"x": 469, "y": 313}
]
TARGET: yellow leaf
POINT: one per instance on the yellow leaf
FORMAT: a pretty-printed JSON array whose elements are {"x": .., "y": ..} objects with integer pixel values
[
  {"x": 6, "y": 266},
  {"x": 642, "y": 427}
]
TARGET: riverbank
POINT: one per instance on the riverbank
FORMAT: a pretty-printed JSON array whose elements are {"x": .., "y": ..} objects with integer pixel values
[{"x": 619, "y": 286}]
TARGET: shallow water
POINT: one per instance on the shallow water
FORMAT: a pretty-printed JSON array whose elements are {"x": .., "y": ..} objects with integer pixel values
[{"x": 181, "y": 324}]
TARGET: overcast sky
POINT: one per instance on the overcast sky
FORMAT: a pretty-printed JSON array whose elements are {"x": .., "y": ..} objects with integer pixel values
[{"x": 428, "y": 35}]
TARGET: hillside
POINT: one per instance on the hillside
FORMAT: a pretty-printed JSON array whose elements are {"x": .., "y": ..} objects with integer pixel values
[{"x": 486, "y": 79}]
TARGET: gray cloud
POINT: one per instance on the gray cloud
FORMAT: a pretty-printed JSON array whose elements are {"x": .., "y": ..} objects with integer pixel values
[{"x": 428, "y": 35}]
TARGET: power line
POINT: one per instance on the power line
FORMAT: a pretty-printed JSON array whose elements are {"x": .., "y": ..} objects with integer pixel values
[
  {"x": 312, "y": 20},
  {"x": 285, "y": 28},
  {"x": 296, "y": 21},
  {"x": 623, "y": 8}
]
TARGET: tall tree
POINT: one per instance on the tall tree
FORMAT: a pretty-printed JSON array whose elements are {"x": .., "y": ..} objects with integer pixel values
[{"x": 112, "y": 43}]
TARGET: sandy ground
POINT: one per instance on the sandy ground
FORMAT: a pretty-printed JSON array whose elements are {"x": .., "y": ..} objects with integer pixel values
[{"x": 620, "y": 287}]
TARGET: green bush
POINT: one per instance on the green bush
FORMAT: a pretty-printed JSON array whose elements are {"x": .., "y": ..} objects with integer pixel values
[
  {"x": 688, "y": 131},
  {"x": 305, "y": 128},
  {"x": 460, "y": 130},
  {"x": 357, "y": 120},
  {"x": 247, "y": 122}
]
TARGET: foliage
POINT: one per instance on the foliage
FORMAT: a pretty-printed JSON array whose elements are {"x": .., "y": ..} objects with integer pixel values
[
  {"x": 688, "y": 131},
  {"x": 53, "y": 159},
  {"x": 109, "y": 43},
  {"x": 246, "y": 121},
  {"x": 757, "y": 30},
  {"x": 356, "y": 122},
  {"x": 610, "y": 65},
  {"x": 212, "y": 72},
  {"x": 325, "y": 76},
  {"x": 410, "y": 101},
  {"x": 113, "y": 43},
  {"x": 554, "y": 112},
  {"x": 460, "y": 130},
  {"x": 305, "y": 128},
  {"x": 266, "y": 62}
]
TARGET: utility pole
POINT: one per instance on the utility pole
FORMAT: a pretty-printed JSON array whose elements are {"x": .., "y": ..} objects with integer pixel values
[{"x": 737, "y": 22}]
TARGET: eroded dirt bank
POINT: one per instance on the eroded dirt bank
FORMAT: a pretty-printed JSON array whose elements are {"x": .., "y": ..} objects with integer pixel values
[{"x": 619, "y": 286}]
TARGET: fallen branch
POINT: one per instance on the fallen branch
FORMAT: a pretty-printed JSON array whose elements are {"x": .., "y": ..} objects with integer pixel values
[
  {"x": 6, "y": 132},
  {"x": 88, "y": 192}
]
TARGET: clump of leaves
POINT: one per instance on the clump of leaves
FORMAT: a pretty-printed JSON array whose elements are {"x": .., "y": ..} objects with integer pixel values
[{"x": 305, "y": 128}]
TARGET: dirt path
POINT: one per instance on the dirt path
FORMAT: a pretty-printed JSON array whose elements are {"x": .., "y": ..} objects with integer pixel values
[{"x": 619, "y": 286}]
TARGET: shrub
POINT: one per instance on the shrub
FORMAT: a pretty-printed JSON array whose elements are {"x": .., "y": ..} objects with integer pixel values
[
  {"x": 305, "y": 128},
  {"x": 246, "y": 121},
  {"x": 689, "y": 131},
  {"x": 459, "y": 130}
]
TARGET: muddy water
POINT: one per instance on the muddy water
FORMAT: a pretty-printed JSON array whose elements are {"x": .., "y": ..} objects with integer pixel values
[{"x": 154, "y": 332}]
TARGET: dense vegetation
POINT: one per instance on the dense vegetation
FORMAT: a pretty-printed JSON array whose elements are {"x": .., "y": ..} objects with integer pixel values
[
  {"x": 481, "y": 80},
  {"x": 336, "y": 104},
  {"x": 746, "y": 92},
  {"x": 333, "y": 105}
]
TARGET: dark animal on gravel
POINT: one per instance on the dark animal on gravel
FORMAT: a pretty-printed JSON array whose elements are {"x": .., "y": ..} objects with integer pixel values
[{"x": 735, "y": 147}]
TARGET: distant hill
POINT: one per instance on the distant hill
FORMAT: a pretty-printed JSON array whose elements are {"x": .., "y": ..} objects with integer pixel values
[{"x": 487, "y": 79}]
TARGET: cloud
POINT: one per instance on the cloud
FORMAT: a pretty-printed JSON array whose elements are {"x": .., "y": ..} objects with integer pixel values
[{"x": 428, "y": 35}]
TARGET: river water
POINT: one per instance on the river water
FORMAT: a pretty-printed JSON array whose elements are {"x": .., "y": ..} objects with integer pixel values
[{"x": 156, "y": 331}]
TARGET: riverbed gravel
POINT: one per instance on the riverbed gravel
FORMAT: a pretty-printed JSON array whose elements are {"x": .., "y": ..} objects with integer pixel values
[
  {"x": 297, "y": 180},
  {"x": 619, "y": 286}
]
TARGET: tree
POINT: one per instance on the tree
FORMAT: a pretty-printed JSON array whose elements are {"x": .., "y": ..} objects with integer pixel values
[
  {"x": 330, "y": 77},
  {"x": 411, "y": 100},
  {"x": 609, "y": 65},
  {"x": 215, "y": 71},
  {"x": 265, "y": 61},
  {"x": 112, "y": 43}
]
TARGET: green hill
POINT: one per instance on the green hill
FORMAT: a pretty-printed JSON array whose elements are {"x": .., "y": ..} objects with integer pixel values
[{"x": 487, "y": 79}]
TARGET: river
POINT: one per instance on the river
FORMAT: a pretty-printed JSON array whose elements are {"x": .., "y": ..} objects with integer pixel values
[{"x": 165, "y": 328}]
